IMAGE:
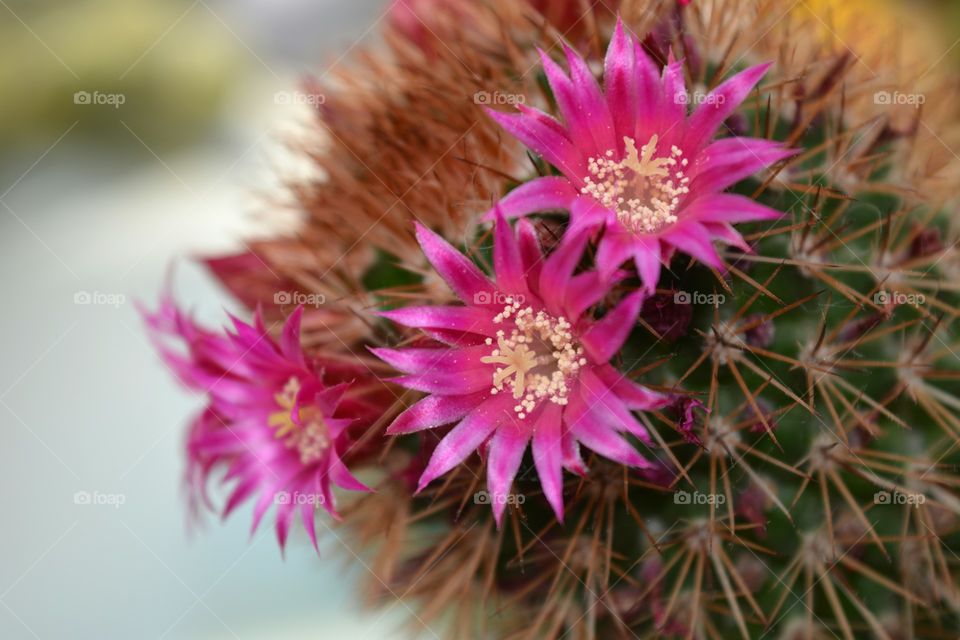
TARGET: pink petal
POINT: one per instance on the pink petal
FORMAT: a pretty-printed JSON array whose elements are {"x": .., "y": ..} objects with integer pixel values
[
  {"x": 507, "y": 263},
  {"x": 543, "y": 139},
  {"x": 603, "y": 400},
  {"x": 728, "y": 207},
  {"x": 467, "y": 436},
  {"x": 434, "y": 411},
  {"x": 727, "y": 234},
  {"x": 647, "y": 255},
  {"x": 540, "y": 194},
  {"x": 619, "y": 82},
  {"x": 591, "y": 101},
  {"x": 558, "y": 268},
  {"x": 530, "y": 250},
  {"x": 730, "y": 160},
  {"x": 607, "y": 443},
  {"x": 615, "y": 248},
  {"x": 633, "y": 395},
  {"x": 587, "y": 214},
  {"x": 692, "y": 238},
  {"x": 290, "y": 338},
  {"x": 506, "y": 453},
  {"x": 463, "y": 276},
  {"x": 468, "y": 319},
  {"x": 605, "y": 338},
  {"x": 649, "y": 92},
  {"x": 718, "y": 106},
  {"x": 448, "y": 383},
  {"x": 436, "y": 360},
  {"x": 548, "y": 455}
]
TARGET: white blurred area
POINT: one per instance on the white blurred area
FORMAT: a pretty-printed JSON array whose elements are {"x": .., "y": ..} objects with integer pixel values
[{"x": 105, "y": 206}]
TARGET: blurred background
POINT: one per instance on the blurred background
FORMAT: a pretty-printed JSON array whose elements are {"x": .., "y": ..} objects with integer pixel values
[{"x": 136, "y": 134}]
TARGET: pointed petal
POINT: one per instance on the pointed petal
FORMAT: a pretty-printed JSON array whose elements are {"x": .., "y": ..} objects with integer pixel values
[
  {"x": 728, "y": 207},
  {"x": 730, "y": 160},
  {"x": 453, "y": 383},
  {"x": 620, "y": 86},
  {"x": 693, "y": 239},
  {"x": 506, "y": 453},
  {"x": 605, "y": 338},
  {"x": 456, "y": 269},
  {"x": 647, "y": 255},
  {"x": 468, "y": 319},
  {"x": 507, "y": 263},
  {"x": 548, "y": 455},
  {"x": 718, "y": 106},
  {"x": 555, "y": 147},
  {"x": 592, "y": 101},
  {"x": 467, "y": 436},
  {"x": 434, "y": 411},
  {"x": 540, "y": 194}
]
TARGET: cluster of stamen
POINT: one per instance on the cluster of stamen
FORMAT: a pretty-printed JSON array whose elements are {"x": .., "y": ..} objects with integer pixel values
[
  {"x": 310, "y": 437},
  {"x": 538, "y": 354},
  {"x": 643, "y": 189}
]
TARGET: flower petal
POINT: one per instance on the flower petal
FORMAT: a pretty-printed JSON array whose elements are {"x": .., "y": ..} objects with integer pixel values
[
  {"x": 548, "y": 455},
  {"x": 540, "y": 194},
  {"x": 529, "y": 128},
  {"x": 434, "y": 411},
  {"x": 506, "y": 452},
  {"x": 718, "y": 106},
  {"x": 456, "y": 269},
  {"x": 605, "y": 338},
  {"x": 467, "y": 436}
]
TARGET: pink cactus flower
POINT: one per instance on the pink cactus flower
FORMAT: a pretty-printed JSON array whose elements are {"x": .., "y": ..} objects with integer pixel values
[
  {"x": 637, "y": 164},
  {"x": 521, "y": 362},
  {"x": 278, "y": 421}
]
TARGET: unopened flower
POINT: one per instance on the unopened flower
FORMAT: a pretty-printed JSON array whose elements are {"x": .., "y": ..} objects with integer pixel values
[
  {"x": 643, "y": 169},
  {"x": 522, "y": 363}
]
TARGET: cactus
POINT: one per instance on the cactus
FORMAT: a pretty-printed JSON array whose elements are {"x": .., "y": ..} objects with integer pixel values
[{"x": 732, "y": 419}]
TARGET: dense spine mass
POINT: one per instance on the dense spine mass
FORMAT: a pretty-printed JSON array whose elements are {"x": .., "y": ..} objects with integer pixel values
[{"x": 726, "y": 352}]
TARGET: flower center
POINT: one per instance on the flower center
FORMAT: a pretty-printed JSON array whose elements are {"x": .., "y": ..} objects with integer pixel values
[
  {"x": 307, "y": 434},
  {"x": 643, "y": 189},
  {"x": 538, "y": 356}
]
